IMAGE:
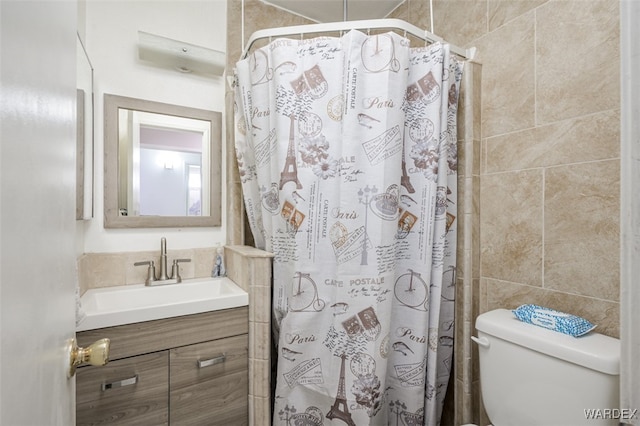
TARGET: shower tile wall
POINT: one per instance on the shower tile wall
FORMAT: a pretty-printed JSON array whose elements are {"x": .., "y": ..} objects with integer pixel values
[{"x": 549, "y": 181}]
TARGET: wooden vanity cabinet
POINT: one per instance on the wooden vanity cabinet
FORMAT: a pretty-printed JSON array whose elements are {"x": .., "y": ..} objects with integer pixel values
[{"x": 190, "y": 370}]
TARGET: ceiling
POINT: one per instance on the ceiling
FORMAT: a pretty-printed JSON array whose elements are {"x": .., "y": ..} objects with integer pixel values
[{"x": 333, "y": 10}]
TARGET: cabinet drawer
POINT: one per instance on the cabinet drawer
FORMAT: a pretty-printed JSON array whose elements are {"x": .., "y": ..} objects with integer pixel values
[
  {"x": 130, "y": 391},
  {"x": 151, "y": 336},
  {"x": 209, "y": 383}
]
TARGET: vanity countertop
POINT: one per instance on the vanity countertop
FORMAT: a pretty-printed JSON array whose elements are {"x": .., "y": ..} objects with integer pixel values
[{"x": 111, "y": 306}]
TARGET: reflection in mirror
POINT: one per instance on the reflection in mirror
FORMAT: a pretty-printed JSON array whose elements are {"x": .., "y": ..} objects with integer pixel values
[
  {"x": 84, "y": 136},
  {"x": 163, "y": 154},
  {"x": 162, "y": 164}
]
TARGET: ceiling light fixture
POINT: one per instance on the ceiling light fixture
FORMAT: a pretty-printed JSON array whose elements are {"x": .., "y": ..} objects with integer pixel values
[{"x": 179, "y": 55}]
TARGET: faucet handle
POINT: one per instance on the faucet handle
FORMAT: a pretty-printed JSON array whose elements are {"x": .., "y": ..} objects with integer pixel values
[
  {"x": 151, "y": 271},
  {"x": 175, "y": 269}
]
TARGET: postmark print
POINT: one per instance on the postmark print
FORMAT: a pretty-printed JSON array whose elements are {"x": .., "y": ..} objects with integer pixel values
[
  {"x": 335, "y": 108},
  {"x": 309, "y": 124}
]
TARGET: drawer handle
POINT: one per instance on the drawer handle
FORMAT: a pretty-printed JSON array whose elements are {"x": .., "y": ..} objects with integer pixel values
[
  {"x": 120, "y": 383},
  {"x": 212, "y": 361}
]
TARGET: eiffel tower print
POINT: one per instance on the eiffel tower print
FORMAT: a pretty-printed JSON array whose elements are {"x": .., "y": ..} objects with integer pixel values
[
  {"x": 290, "y": 171},
  {"x": 404, "y": 179},
  {"x": 341, "y": 400}
]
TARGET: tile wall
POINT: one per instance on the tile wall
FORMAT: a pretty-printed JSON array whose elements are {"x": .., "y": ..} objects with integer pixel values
[
  {"x": 96, "y": 270},
  {"x": 250, "y": 268},
  {"x": 549, "y": 172}
]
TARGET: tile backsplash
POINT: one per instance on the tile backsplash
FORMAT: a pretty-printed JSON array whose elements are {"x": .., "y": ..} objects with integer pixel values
[{"x": 97, "y": 270}]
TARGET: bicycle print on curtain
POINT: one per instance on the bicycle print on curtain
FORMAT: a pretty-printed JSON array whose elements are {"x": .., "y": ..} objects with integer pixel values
[{"x": 346, "y": 148}]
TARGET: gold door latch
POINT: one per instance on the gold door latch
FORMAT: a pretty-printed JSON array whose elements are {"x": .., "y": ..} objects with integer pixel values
[{"x": 96, "y": 354}]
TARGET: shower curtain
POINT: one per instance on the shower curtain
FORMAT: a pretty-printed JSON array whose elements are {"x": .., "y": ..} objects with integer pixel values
[{"x": 346, "y": 148}]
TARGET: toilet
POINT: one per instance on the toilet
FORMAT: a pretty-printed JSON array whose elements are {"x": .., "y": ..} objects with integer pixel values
[{"x": 533, "y": 376}]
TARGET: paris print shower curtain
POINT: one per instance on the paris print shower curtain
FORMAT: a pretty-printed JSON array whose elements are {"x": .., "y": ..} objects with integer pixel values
[{"x": 346, "y": 148}]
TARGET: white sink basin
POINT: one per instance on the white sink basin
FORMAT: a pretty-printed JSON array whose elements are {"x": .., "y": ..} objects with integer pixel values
[{"x": 107, "y": 307}]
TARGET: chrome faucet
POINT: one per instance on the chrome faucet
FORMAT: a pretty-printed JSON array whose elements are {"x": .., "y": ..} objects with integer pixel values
[{"x": 163, "y": 278}]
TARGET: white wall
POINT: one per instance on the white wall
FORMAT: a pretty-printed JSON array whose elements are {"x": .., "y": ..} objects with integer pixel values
[
  {"x": 630, "y": 207},
  {"x": 112, "y": 35}
]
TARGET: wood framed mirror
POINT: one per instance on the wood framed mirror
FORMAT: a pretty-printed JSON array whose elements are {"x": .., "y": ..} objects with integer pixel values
[{"x": 162, "y": 164}]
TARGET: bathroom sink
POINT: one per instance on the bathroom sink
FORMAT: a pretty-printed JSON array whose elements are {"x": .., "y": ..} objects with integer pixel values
[{"x": 111, "y": 306}]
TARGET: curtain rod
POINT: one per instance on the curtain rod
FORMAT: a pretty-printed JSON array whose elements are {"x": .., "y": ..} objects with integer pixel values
[{"x": 395, "y": 24}]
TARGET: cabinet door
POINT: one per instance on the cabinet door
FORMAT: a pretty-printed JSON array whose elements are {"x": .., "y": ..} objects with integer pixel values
[
  {"x": 130, "y": 391},
  {"x": 209, "y": 383}
]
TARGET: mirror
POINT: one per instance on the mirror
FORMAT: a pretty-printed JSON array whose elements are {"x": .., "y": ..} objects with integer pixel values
[
  {"x": 162, "y": 164},
  {"x": 84, "y": 135}
]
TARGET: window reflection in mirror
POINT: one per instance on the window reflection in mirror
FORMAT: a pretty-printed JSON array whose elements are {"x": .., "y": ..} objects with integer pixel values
[
  {"x": 162, "y": 164},
  {"x": 157, "y": 175}
]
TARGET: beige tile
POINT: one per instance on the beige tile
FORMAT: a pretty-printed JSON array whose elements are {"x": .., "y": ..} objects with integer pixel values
[
  {"x": 259, "y": 16},
  {"x": 581, "y": 235},
  {"x": 417, "y": 13},
  {"x": 470, "y": 104},
  {"x": 464, "y": 264},
  {"x": 252, "y": 406},
  {"x": 236, "y": 226},
  {"x": 457, "y": 21},
  {"x": 477, "y": 147},
  {"x": 261, "y": 271},
  {"x": 605, "y": 314},
  {"x": 261, "y": 299},
  {"x": 475, "y": 297},
  {"x": 577, "y": 58},
  {"x": 511, "y": 223},
  {"x": 401, "y": 12},
  {"x": 259, "y": 372},
  {"x": 459, "y": 330},
  {"x": 262, "y": 411},
  {"x": 484, "y": 299},
  {"x": 233, "y": 263},
  {"x": 475, "y": 360},
  {"x": 102, "y": 270},
  {"x": 203, "y": 261},
  {"x": 462, "y": 154},
  {"x": 508, "y": 80},
  {"x": 262, "y": 340},
  {"x": 465, "y": 414},
  {"x": 237, "y": 269},
  {"x": 475, "y": 228},
  {"x": 502, "y": 11},
  {"x": 594, "y": 137},
  {"x": 234, "y": 35},
  {"x": 474, "y": 69}
]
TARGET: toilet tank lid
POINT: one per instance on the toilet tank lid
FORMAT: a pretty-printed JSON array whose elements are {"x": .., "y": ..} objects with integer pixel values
[{"x": 593, "y": 350}]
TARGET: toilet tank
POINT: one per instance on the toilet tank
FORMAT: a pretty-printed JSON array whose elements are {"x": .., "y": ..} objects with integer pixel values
[{"x": 533, "y": 376}]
